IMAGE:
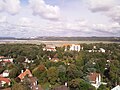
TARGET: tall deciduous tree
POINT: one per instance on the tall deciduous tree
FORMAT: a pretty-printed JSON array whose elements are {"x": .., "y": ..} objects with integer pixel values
[{"x": 52, "y": 75}]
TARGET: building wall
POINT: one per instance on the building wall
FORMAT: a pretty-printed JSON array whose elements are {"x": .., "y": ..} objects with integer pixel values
[{"x": 75, "y": 47}]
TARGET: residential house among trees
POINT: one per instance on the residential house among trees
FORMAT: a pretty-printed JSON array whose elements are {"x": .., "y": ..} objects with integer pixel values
[
  {"x": 6, "y": 59},
  {"x": 32, "y": 80},
  {"x": 4, "y": 81},
  {"x": 5, "y": 73},
  {"x": 95, "y": 79},
  {"x": 55, "y": 59},
  {"x": 49, "y": 48},
  {"x": 102, "y": 50},
  {"x": 97, "y": 50},
  {"x": 72, "y": 47},
  {"x": 23, "y": 74}
]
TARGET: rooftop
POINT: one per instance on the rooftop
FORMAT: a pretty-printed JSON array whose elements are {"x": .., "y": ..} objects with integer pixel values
[
  {"x": 26, "y": 72},
  {"x": 93, "y": 76},
  {"x": 7, "y": 80}
]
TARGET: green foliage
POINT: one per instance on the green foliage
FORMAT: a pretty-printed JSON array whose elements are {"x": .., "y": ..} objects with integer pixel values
[
  {"x": 14, "y": 72},
  {"x": 2, "y": 69},
  {"x": 19, "y": 86},
  {"x": 73, "y": 72},
  {"x": 20, "y": 59},
  {"x": 52, "y": 74},
  {"x": 102, "y": 87},
  {"x": 62, "y": 74},
  {"x": 114, "y": 72},
  {"x": 72, "y": 64},
  {"x": 79, "y": 84}
]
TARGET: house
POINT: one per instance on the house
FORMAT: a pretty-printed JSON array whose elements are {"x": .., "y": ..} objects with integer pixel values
[
  {"x": 102, "y": 50},
  {"x": 23, "y": 74},
  {"x": 28, "y": 61},
  {"x": 97, "y": 50},
  {"x": 6, "y": 59},
  {"x": 90, "y": 51},
  {"x": 33, "y": 80},
  {"x": 34, "y": 83},
  {"x": 95, "y": 79},
  {"x": 94, "y": 47},
  {"x": 54, "y": 60},
  {"x": 73, "y": 47},
  {"x": 4, "y": 81},
  {"x": 5, "y": 73},
  {"x": 62, "y": 87},
  {"x": 49, "y": 48},
  {"x": 116, "y": 88}
]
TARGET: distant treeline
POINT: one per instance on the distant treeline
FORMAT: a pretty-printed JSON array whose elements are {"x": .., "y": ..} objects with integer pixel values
[
  {"x": 115, "y": 39},
  {"x": 8, "y": 38},
  {"x": 78, "y": 38}
]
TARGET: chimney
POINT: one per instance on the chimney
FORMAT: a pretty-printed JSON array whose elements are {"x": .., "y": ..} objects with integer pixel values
[{"x": 21, "y": 71}]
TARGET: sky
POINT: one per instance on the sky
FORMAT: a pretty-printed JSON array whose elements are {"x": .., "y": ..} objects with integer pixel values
[{"x": 84, "y": 18}]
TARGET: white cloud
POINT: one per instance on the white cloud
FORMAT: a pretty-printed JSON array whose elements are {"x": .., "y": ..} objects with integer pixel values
[
  {"x": 25, "y": 24},
  {"x": 100, "y": 28},
  {"x": 114, "y": 14},
  {"x": 44, "y": 10},
  {"x": 25, "y": 27},
  {"x": 109, "y": 8},
  {"x": 100, "y": 5},
  {"x": 79, "y": 25},
  {"x": 113, "y": 28},
  {"x": 10, "y": 6},
  {"x": 24, "y": 21},
  {"x": 3, "y": 19},
  {"x": 2, "y": 4}
]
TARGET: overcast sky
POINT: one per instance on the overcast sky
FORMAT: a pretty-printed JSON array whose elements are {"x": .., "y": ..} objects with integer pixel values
[{"x": 31, "y": 18}]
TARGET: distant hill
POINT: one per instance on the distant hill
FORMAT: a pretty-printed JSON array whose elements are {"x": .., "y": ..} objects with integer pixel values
[
  {"x": 77, "y": 38},
  {"x": 52, "y": 38},
  {"x": 8, "y": 38}
]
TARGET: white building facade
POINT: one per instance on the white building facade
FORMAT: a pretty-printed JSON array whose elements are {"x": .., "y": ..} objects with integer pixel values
[{"x": 75, "y": 47}]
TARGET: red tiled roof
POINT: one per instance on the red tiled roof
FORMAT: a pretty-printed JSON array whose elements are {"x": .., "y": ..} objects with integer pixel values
[
  {"x": 27, "y": 72},
  {"x": 1, "y": 57},
  {"x": 7, "y": 80},
  {"x": 1, "y": 75},
  {"x": 93, "y": 76},
  {"x": 6, "y": 61}
]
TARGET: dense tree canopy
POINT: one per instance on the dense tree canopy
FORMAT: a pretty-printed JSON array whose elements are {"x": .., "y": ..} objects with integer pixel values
[{"x": 72, "y": 67}]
